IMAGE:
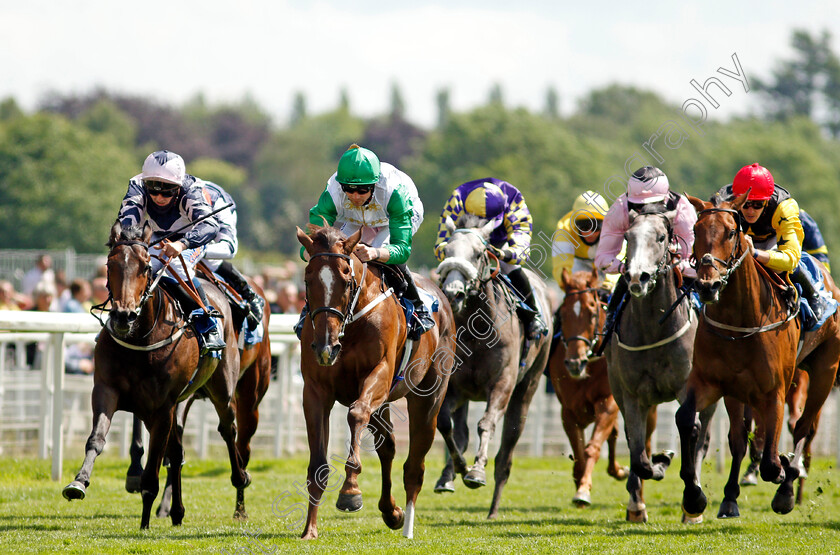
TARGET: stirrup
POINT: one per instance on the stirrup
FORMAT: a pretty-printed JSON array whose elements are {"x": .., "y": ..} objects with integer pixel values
[{"x": 255, "y": 306}]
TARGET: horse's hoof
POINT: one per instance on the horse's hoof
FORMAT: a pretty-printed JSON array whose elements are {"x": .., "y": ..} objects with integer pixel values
[
  {"x": 664, "y": 458},
  {"x": 637, "y": 516},
  {"x": 475, "y": 478},
  {"x": 444, "y": 486},
  {"x": 729, "y": 509},
  {"x": 240, "y": 514},
  {"x": 395, "y": 519},
  {"x": 696, "y": 506},
  {"x": 162, "y": 512},
  {"x": 349, "y": 503},
  {"x": 75, "y": 490},
  {"x": 132, "y": 484},
  {"x": 783, "y": 501},
  {"x": 620, "y": 473},
  {"x": 692, "y": 519},
  {"x": 582, "y": 499},
  {"x": 750, "y": 479}
]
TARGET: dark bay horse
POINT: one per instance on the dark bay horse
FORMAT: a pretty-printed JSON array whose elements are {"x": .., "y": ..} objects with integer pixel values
[
  {"x": 254, "y": 377},
  {"x": 494, "y": 364},
  {"x": 581, "y": 383},
  {"x": 352, "y": 348},
  {"x": 649, "y": 357},
  {"x": 746, "y": 350},
  {"x": 146, "y": 361}
]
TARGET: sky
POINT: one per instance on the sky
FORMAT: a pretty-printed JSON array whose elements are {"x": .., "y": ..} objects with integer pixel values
[{"x": 270, "y": 51}]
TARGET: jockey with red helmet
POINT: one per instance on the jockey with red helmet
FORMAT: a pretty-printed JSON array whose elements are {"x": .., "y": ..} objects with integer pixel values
[
  {"x": 646, "y": 186},
  {"x": 770, "y": 217}
]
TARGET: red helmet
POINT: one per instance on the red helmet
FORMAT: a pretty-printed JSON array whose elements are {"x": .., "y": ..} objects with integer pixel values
[{"x": 757, "y": 179}]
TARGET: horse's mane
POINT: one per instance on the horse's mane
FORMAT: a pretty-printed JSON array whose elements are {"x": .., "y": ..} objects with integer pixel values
[
  {"x": 579, "y": 280},
  {"x": 469, "y": 221},
  {"x": 130, "y": 233}
]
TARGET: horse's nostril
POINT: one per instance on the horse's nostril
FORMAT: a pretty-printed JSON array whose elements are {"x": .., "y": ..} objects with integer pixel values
[{"x": 716, "y": 285}]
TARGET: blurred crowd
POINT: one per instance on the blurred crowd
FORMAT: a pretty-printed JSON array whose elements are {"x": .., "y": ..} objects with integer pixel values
[{"x": 46, "y": 289}]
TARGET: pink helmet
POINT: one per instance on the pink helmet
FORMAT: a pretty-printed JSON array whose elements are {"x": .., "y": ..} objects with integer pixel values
[{"x": 646, "y": 185}]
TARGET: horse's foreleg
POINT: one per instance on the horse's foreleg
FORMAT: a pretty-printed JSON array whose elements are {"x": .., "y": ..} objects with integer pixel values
[
  {"x": 161, "y": 428},
  {"x": 604, "y": 426},
  {"x": 497, "y": 402},
  {"x": 445, "y": 483},
  {"x": 771, "y": 466},
  {"x": 514, "y": 423},
  {"x": 135, "y": 451},
  {"x": 104, "y": 401},
  {"x": 316, "y": 411},
  {"x": 614, "y": 469},
  {"x": 248, "y": 395},
  {"x": 756, "y": 446},
  {"x": 738, "y": 449},
  {"x": 575, "y": 434},
  {"x": 694, "y": 501},
  {"x": 181, "y": 410},
  {"x": 175, "y": 452}
]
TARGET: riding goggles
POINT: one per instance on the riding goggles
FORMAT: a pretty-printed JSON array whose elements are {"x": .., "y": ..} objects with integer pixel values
[
  {"x": 356, "y": 189},
  {"x": 755, "y": 204},
  {"x": 587, "y": 226},
  {"x": 160, "y": 188}
]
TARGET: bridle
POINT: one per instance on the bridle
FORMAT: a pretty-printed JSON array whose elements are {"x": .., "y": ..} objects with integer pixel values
[
  {"x": 733, "y": 261},
  {"x": 347, "y": 316},
  {"x": 485, "y": 270},
  {"x": 663, "y": 266},
  {"x": 590, "y": 343}
]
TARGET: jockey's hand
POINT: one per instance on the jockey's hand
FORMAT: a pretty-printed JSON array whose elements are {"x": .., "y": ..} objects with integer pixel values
[
  {"x": 367, "y": 253},
  {"x": 505, "y": 255},
  {"x": 172, "y": 248},
  {"x": 750, "y": 241}
]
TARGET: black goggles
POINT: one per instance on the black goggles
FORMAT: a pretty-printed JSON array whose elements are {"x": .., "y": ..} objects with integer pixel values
[
  {"x": 586, "y": 226},
  {"x": 357, "y": 189},
  {"x": 755, "y": 204},
  {"x": 160, "y": 188}
]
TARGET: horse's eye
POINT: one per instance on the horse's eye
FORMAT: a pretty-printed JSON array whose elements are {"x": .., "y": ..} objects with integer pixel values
[
  {"x": 732, "y": 234},
  {"x": 661, "y": 238}
]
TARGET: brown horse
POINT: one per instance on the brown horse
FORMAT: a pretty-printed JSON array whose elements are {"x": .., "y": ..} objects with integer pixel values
[
  {"x": 746, "y": 350},
  {"x": 352, "y": 346},
  {"x": 254, "y": 377},
  {"x": 582, "y": 384},
  {"x": 147, "y": 360}
]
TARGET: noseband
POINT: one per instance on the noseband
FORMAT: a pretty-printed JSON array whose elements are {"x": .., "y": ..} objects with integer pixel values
[
  {"x": 733, "y": 261},
  {"x": 485, "y": 271},
  {"x": 662, "y": 267},
  {"x": 590, "y": 343},
  {"x": 355, "y": 290}
]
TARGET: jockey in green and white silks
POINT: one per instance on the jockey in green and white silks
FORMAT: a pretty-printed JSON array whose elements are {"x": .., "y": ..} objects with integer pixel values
[{"x": 383, "y": 202}]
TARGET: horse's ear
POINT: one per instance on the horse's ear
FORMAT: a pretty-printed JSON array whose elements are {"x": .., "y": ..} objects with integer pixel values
[
  {"x": 594, "y": 277},
  {"x": 351, "y": 242},
  {"x": 488, "y": 228},
  {"x": 739, "y": 201},
  {"x": 564, "y": 278},
  {"x": 697, "y": 203},
  {"x": 631, "y": 215},
  {"x": 304, "y": 239},
  {"x": 116, "y": 229},
  {"x": 147, "y": 233},
  {"x": 450, "y": 225}
]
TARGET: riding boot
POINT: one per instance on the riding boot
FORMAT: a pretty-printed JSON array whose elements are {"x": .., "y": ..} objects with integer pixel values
[
  {"x": 256, "y": 304},
  {"x": 205, "y": 325},
  {"x": 809, "y": 293},
  {"x": 423, "y": 321},
  {"x": 617, "y": 296},
  {"x": 531, "y": 319}
]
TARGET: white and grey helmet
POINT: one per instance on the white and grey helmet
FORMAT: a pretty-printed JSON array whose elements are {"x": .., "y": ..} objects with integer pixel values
[{"x": 164, "y": 166}]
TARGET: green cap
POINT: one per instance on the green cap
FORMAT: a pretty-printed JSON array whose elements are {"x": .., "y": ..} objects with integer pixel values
[{"x": 358, "y": 166}]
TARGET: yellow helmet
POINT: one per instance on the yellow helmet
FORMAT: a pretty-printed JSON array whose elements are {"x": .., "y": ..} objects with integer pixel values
[{"x": 590, "y": 205}]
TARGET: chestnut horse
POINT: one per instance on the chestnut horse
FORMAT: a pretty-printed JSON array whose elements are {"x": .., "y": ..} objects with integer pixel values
[
  {"x": 355, "y": 338},
  {"x": 254, "y": 377},
  {"x": 581, "y": 384},
  {"x": 649, "y": 357},
  {"x": 146, "y": 360},
  {"x": 746, "y": 350},
  {"x": 499, "y": 366}
]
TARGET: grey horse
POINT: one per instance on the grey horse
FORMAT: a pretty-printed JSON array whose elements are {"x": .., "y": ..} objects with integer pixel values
[
  {"x": 649, "y": 357},
  {"x": 494, "y": 364}
]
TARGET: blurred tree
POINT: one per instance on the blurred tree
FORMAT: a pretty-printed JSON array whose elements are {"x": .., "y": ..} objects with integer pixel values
[
  {"x": 444, "y": 110},
  {"x": 807, "y": 85},
  {"x": 9, "y": 110},
  {"x": 298, "y": 109},
  {"x": 60, "y": 184},
  {"x": 552, "y": 104},
  {"x": 104, "y": 117},
  {"x": 496, "y": 95},
  {"x": 397, "y": 103},
  {"x": 231, "y": 178}
]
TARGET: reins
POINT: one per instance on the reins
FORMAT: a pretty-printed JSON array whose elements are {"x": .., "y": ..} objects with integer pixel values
[{"x": 731, "y": 265}]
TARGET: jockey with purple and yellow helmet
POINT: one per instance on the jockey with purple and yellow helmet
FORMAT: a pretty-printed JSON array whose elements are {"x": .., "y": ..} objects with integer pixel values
[{"x": 500, "y": 202}]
